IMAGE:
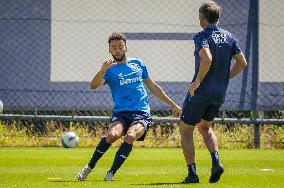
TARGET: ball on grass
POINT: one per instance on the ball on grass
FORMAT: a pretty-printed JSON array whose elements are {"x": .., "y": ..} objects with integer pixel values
[{"x": 69, "y": 140}]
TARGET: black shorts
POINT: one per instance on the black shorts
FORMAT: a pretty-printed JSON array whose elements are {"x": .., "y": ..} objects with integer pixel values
[
  {"x": 194, "y": 110},
  {"x": 127, "y": 118}
]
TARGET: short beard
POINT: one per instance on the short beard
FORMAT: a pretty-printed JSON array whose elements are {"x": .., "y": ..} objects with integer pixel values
[{"x": 120, "y": 59}]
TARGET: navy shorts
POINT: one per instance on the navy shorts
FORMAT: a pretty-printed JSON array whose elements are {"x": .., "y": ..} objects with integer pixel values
[
  {"x": 127, "y": 118},
  {"x": 194, "y": 110}
]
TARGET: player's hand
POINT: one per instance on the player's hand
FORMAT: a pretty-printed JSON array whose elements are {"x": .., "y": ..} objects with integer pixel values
[
  {"x": 107, "y": 64},
  {"x": 177, "y": 110},
  {"x": 194, "y": 86}
]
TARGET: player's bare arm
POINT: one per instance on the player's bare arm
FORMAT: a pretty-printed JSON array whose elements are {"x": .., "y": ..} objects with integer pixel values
[
  {"x": 99, "y": 80},
  {"x": 205, "y": 63},
  {"x": 239, "y": 65},
  {"x": 159, "y": 92}
]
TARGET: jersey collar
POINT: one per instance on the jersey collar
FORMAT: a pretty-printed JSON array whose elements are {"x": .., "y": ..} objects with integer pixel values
[{"x": 212, "y": 27}]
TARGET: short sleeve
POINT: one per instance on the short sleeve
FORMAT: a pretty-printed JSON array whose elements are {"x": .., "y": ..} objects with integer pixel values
[
  {"x": 200, "y": 42},
  {"x": 144, "y": 71},
  {"x": 106, "y": 76},
  {"x": 236, "y": 48}
]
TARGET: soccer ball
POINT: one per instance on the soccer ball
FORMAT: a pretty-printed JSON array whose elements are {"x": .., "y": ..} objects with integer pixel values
[
  {"x": 1, "y": 107},
  {"x": 69, "y": 140}
]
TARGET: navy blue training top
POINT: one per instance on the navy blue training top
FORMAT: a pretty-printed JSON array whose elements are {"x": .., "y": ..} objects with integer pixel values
[{"x": 223, "y": 46}]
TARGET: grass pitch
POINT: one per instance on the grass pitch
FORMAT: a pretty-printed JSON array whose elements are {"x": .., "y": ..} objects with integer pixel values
[{"x": 145, "y": 167}]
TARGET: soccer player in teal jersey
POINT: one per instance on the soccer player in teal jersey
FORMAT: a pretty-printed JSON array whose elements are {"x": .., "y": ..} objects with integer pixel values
[
  {"x": 214, "y": 50},
  {"x": 131, "y": 118}
]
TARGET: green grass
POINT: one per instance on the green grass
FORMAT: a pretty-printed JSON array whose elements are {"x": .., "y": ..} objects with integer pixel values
[{"x": 145, "y": 167}]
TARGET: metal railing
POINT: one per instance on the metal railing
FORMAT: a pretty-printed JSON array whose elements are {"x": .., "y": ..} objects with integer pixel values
[{"x": 256, "y": 121}]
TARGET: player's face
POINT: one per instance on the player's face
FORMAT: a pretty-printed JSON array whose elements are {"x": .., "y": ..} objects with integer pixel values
[{"x": 117, "y": 48}]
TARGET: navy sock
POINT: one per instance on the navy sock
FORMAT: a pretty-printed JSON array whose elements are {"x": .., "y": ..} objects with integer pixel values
[
  {"x": 215, "y": 158},
  {"x": 100, "y": 150},
  {"x": 121, "y": 155},
  {"x": 191, "y": 170}
]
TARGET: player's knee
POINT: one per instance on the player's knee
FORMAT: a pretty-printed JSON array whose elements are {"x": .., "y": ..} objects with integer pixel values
[
  {"x": 111, "y": 138},
  {"x": 203, "y": 128},
  {"x": 186, "y": 129},
  {"x": 130, "y": 137}
]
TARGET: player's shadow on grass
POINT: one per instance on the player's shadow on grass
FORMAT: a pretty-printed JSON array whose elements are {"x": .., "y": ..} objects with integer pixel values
[
  {"x": 74, "y": 181},
  {"x": 161, "y": 183}
]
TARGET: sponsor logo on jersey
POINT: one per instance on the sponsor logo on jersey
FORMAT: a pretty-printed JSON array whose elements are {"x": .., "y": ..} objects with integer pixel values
[
  {"x": 219, "y": 37},
  {"x": 134, "y": 67},
  {"x": 120, "y": 75},
  {"x": 130, "y": 80}
]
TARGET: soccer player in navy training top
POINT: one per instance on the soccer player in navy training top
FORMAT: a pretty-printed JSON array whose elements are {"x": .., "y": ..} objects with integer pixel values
[
  {"x": 131, "y": 118},
  {"x": 214, "y": 50}
]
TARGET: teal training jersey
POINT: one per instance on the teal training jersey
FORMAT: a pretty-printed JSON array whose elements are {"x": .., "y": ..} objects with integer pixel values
[{"x": 127, "y": 87}]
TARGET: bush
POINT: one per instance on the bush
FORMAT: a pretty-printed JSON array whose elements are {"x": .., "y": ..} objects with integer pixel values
[{"x": 48, "y": 134}]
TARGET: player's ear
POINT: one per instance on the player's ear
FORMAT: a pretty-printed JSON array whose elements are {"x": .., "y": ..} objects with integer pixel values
[{"x": 125, "y": 48}]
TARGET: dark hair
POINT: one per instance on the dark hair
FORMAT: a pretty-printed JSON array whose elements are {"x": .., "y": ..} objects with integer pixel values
[
  {"x": 116, "y": 36},
  {"x": 210, "y": 11}
]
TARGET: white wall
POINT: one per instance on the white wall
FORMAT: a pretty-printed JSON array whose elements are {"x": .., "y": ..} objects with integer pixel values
[
  {"x": 80, "y": 29},
  {"x": 271, "y": 43}
]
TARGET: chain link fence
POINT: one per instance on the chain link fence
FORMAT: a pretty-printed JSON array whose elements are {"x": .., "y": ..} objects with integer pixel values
[{"x": 50, "y": 51}]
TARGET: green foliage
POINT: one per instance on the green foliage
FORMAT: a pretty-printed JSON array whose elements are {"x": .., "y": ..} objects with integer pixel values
[{"x": 13, "y": 133}]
